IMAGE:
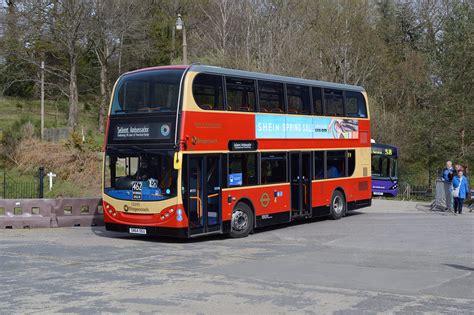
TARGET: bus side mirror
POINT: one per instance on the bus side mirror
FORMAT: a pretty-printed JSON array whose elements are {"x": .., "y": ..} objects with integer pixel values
[{"x": 178, "y": 160}]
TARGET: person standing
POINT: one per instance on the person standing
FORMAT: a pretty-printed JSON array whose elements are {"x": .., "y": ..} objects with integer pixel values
[
  {"x": 460, "y": 190},
  {"x": 447, "y": 177},
  {"x": 448, "y": 172}
]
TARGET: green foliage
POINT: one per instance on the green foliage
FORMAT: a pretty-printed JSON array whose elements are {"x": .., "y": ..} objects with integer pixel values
[{"x": 415, "y": 59}]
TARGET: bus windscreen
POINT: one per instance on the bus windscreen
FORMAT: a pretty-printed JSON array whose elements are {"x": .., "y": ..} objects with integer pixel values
[
  {"x": 144, "y": 177},
  {"x": 147, "y": 91},
  {"x": 384, "y": 167}
]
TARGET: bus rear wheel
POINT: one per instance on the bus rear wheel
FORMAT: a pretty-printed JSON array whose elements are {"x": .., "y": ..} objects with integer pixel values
[
  {"x": 242, "y": 221},
  {"x": 338, "y": 205}
]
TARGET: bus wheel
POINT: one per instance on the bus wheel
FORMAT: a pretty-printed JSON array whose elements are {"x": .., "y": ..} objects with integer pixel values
[
  {"x": 338, "y": 205},
  {"x": 242, "y": 221}
]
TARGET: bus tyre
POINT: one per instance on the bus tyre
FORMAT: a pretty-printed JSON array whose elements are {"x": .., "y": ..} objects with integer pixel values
[
  {"x": 338, "y": 205},
  {"x": 242, "y": 221}
]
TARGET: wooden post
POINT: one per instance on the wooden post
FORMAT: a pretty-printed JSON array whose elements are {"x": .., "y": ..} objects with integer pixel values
[{"x": 42, "y": 100}]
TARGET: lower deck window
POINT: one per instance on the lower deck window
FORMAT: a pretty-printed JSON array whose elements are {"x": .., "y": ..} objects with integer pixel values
[
  {"x": 319, "y": 165},
  {"x": 336, "y": 161},
  {"x": 273, "y": 168},
  {"x": 242, "y": 170},
  {"x": 351, "y": 162}
]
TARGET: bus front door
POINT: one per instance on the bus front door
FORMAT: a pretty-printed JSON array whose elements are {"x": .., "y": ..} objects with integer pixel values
[
  {"x": 203, "y": 196},
  {"x": 301, "y": 176}
]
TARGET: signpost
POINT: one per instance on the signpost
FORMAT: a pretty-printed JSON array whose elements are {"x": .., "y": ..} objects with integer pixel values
[{"x": 51, "y": 175}]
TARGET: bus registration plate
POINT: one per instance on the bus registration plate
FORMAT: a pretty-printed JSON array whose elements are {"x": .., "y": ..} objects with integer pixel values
[{"x": 137, "y": 231}]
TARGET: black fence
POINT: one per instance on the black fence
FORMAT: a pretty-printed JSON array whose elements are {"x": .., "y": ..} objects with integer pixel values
[
  {"x": 409, "y": 191},
  {"x": 10, "y": 188}
]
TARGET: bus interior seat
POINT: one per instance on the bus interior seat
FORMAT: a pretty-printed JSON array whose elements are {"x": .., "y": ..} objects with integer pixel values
[{"x": 207, "y": 106}]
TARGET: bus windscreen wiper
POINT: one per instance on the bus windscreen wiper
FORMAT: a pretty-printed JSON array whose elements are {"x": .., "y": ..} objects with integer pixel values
[{"x": 124, "y": 111}]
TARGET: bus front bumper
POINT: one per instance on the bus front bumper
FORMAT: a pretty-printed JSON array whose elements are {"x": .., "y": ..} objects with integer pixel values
[{"x": 147, "y": 230}]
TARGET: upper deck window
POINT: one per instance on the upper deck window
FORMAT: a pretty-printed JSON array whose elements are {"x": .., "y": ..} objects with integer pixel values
[
  {"x": 271, "y": 97},
  {"x": 147, "y": 91},
  {"x": 240, "y": 94},
  {"x": 298, "y": 99},
  {"x": 355, "y": 105},
  {"x": 317, "y": 102},
  {"x": 207, "y": 91},
  {"x": 334, "y": 102}
]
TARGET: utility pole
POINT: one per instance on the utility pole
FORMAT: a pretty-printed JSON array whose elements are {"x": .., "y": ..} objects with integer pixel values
[
  {"x": 42, "y": 100},
  {"x": 185, "y": 47}
]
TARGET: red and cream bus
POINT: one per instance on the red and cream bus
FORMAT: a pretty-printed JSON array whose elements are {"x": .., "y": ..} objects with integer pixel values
[{"x": 196, "y": 150}]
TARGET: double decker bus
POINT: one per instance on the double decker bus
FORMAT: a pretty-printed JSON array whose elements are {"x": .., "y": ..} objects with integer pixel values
[
  {"x": 384, "y": 170},
  {"x": 197, "y": 150}
]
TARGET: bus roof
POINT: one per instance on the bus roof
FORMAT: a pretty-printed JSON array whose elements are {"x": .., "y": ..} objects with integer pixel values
[
  {"x": 383, "y": 146},
  {"x": 255, "y": 75},
  {"x": 272, "y": 77},
  {"x": 170, "y": 67}
]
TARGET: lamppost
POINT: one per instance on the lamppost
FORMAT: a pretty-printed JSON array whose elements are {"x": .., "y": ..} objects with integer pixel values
[{"x": 180, "y": 27}]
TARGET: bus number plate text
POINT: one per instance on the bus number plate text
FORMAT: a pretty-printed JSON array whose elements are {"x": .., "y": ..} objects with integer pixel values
[{"x": 137, "y": 231}]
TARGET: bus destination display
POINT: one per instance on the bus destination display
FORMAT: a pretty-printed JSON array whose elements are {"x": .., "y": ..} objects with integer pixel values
[{"x": 142, "y": 131}]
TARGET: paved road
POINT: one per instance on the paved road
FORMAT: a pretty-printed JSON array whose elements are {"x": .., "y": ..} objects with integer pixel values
[{"x": 389, "y": 258}]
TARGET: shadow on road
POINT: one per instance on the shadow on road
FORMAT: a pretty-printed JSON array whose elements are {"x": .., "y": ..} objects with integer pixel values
[
  {"x": 102, "y": 232},
  {"x": 431, "y": 209},
  {"x": 460, "y": 267}
]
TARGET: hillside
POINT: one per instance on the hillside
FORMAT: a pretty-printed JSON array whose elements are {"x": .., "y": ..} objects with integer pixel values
[{"x": 77, "y": 163}]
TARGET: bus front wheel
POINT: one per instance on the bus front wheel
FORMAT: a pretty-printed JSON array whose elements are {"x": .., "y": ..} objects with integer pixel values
[
  {"x": 338, "y": 205},
  {"x": 242, "y": 221}
]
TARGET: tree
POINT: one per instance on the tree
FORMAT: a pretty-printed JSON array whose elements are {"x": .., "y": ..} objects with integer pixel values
[
  {"x": 456, "y": 75},
  {"x": 111, "y": 22},
  {"x": 70, "y": 18}
]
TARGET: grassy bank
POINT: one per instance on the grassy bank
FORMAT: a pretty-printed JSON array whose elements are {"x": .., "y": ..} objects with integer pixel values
[{"x": 77, "y": 163}]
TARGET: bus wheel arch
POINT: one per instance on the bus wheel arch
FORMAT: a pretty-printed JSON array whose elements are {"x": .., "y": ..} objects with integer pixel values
[
  {"x": 243, "y": 218},
  {"x": 338, "y": 205}
]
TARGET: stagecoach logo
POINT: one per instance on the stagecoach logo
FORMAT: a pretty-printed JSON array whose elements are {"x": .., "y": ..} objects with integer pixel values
[
  {"x": 127, "y": 208},
  {"x": 165, "y": 130},
  {"x": 196, "y": 140},
  {"x": 265, "y": 200}
]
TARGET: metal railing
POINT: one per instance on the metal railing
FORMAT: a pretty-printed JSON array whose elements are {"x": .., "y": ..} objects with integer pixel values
[
  {"x": 409, "y": 191},
  {"x": 13, "y": 189}
]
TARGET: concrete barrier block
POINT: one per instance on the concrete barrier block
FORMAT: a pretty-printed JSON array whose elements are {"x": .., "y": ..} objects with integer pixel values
[
  {"x": 36, "y": 213},
  {"x": 25, "y": 213},
  {"x": 78, "y": 212}
]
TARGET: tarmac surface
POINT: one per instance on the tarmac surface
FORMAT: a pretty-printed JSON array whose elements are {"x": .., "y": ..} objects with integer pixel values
[{"x": 391, "y": 257}]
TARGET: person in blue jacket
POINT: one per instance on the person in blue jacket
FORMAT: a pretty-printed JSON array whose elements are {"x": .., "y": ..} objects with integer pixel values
[
  {"x": 447, "y": 176},
  {"x": 448, "y": 172},
  {"x": 460, "y": 190}
]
